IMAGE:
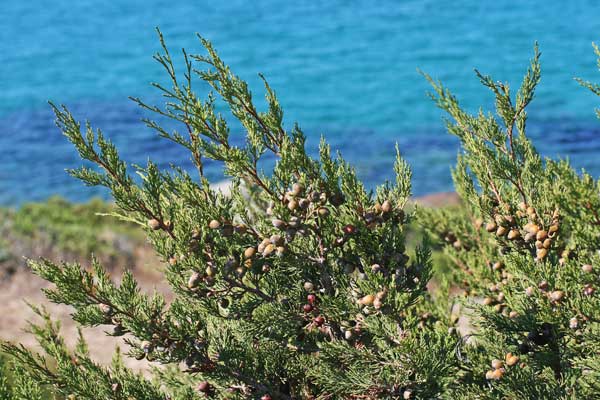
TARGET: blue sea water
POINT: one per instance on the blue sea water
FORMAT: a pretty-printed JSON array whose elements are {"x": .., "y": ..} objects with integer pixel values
[{"x": 344, "y": 69}]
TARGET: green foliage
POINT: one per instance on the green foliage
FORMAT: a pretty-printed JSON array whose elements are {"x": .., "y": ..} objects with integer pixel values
[
  {"x": 299, "y": 283},
  {"x": 526, "y": 241}
]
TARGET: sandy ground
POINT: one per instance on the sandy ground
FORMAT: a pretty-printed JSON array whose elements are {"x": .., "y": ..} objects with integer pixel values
[
  {"x": 23, "y": 286},
  {"x": 438, "y": 199}
]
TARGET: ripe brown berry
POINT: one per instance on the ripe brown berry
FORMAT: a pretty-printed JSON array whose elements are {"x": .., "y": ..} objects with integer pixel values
[
  {"x": 292, "y": 205},
  {"x": 214, "y": 224},
  {"x": 573, "y": 323},
  {"x": 277, "y": 240},
  {"x": 366, "y": 300},
  {"x": 154, "y": 224},
  {"x": 304, "y": 203},
  {"x": 541, "y": 253},
  {"x": 105, "y": 309},
  {"x": 557, "y": 296},
  {"x": 210, "y": 270},
  {"x": 386, "y": 207},
  {"x": 323, "y": 211},
  {"x": 530, "y": 227},
  {"x": 249, "y": 252},
  {"x": 377, "y": 303},
  {"x": 297, "y": 189},
  {"x": 514, "y": 234},
  {"x": 203, "y": 387},
  {"x": 279, "y": 224},
  {"x": 488, "y": 301},
  {"x": 501, "y": 231},
  {"x": 146, "y": 346},
  {"x": 529, "y": 237},
  {"x": 194, "y": 280},
  {"x": 269, "y": 249},
  {"x": 498, "y": 374},
  {"x": 349, "y": 229},
  {"x": 541, "y": 235},
  {"x": 499, "y": 218},
  {"x": 263, "y": 244},
  {"x": 491, "y": 227},
  {"x": 588, "y": 289},
  {"x": 511, "y": 359}
]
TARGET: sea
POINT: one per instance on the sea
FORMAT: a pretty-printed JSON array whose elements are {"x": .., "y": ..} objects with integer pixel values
[{"x": 345, "y": 70}]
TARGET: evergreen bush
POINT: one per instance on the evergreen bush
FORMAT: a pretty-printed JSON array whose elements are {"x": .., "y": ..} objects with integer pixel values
[{"x": 299, "y": 283}]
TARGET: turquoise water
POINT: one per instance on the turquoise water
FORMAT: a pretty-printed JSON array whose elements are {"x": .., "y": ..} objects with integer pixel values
[{"x": 345, "y": 69}]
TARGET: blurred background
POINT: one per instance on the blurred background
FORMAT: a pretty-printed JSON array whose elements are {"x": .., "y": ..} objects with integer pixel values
[{"x": 344, "y": 69}]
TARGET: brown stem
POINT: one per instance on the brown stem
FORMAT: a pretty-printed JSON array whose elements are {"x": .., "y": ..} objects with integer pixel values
[
  {"x": 493, "y": 187},
  {"x": 249, "y": 289}
]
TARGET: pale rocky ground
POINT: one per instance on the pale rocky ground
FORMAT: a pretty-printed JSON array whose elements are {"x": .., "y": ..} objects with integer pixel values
[{"x": 23, "y": 286}]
